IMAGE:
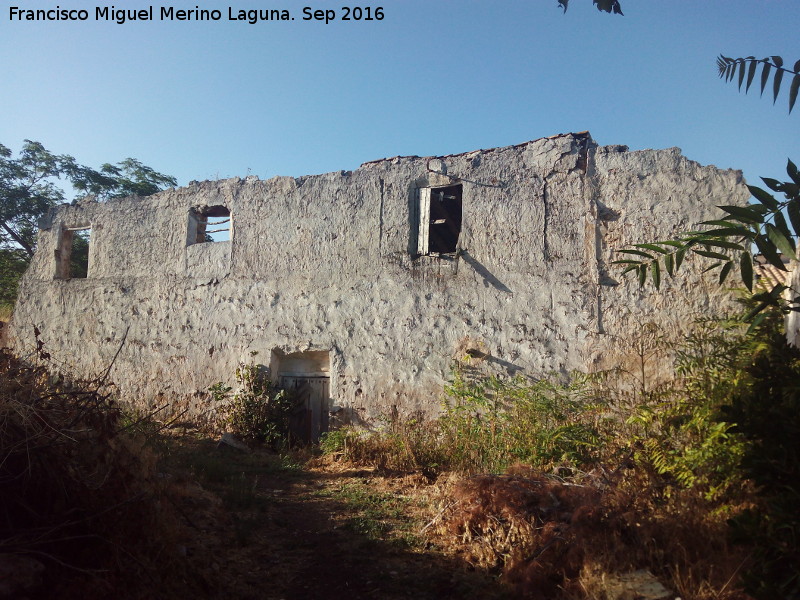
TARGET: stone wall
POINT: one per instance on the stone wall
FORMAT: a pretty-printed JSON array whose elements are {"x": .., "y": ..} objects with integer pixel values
[{"x": 330, "y": 263}]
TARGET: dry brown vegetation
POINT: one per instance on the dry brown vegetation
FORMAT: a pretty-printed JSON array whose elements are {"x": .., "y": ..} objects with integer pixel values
[
  {"x": 99, "y": 505},
  {"x": 110, "y": 506},
  {"x": 80, "y": 492},
  {"x": 554, "y": 537},
  {"x": 551, "y": 538}
]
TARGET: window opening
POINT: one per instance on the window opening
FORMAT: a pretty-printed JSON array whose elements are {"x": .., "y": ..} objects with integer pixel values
[
  {"x": 73, "y": 260},
  {"x": 210, "y": 224},
  {"x": 439, "y": 219}
]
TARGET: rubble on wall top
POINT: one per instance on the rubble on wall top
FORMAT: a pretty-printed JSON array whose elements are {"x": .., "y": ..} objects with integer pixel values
[
  {"x": 581, "y": 135},
  {"x": 299, "y": 181}
]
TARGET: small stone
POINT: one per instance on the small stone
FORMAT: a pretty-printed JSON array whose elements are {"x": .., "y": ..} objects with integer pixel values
[
  {"x": 228, "y": 440},
  {"x": 636, "y": 585}
]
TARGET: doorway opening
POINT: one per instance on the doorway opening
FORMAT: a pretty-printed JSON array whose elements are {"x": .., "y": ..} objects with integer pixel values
[{"x": 307, "y": 376}]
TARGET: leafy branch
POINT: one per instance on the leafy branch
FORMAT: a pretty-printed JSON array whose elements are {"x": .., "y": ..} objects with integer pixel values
[
  {"x": 747, "y": 67},
  {"x": 609, "y": 6},
  {"x": 28, "y": 188},
  {"x": 728, "y": 242}
]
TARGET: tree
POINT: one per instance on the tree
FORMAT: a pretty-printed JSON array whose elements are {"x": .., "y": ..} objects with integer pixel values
[
  {"x": 13, "y": 262},
  {"x": 127, "y": 178},
  {"x": 766, "y": 409},
  {"x": 28, "y": 190}
]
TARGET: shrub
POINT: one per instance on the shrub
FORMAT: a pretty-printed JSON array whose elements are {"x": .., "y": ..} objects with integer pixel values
[
  {"x": 766, "y": 410},
  {"x": 492, "y": 422},
  {"x": 679, "y": 435},
  {"x": 258, "y": 411}
]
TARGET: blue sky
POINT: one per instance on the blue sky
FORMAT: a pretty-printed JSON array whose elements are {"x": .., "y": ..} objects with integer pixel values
[{"x": 207, "y": 100}]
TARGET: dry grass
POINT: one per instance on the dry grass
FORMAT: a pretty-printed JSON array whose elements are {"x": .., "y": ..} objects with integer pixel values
[
  {"x": 6, "y": 310},
  {"x": 5, "y": 316},
  {"x": 554, "y": 539},
  {"x": 404, "y": 445}
]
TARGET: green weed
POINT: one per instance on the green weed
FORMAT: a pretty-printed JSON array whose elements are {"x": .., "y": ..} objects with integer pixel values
[
  {"x": 491, "y": 423},
  {"x": 377, "y": 515},
  {"x": 258, "y": 411},
  {"x": 673, "y": 433}
]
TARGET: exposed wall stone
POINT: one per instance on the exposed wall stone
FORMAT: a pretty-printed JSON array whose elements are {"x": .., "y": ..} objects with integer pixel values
[
  {"x": 792, "y": 322},
  {"x": 329, "y": 263}
]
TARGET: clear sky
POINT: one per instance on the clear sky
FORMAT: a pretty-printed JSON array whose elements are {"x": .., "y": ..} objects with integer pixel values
[{"x": 206, "y": 100}]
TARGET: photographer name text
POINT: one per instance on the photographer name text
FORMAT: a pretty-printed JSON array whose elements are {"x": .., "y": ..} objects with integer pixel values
[{"x": 121, "y": 16}]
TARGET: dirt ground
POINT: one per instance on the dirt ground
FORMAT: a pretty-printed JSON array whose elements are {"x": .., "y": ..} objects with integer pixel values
[{"x": 271, "y": 527}]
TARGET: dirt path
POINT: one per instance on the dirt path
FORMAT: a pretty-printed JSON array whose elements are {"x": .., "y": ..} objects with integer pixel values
[{"x": 285, "y": 531}]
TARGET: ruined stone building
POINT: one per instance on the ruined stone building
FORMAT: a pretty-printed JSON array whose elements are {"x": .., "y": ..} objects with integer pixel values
[{"x": 362, "y": 287}]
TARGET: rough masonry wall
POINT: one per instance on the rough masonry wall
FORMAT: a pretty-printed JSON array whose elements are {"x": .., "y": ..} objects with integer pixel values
[
  {"x": 645, "y": 196},
  {"x": 329, "y": 263}
]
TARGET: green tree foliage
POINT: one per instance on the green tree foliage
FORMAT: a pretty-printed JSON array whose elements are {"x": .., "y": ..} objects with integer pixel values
[
  {"x": 127, "y": 178},
  {"x": 79, "y": 256},
  {"x": 13, "y": 262},
  {"x": 747, "y": 67},
  {"x": 28, "y": 189}
]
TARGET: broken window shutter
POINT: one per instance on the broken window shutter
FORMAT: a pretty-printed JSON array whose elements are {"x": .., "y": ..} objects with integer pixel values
[{"x": 424, "y": 220}]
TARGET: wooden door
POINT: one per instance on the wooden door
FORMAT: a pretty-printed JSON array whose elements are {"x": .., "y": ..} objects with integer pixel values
[{"x": 309, "y": 420}]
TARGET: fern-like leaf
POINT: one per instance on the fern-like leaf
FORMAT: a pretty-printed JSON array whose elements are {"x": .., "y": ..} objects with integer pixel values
[
  {"x": 793, "y": 91},
  {"x": 765, "y": 75},
  {"x": 776, "y": 83}
]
